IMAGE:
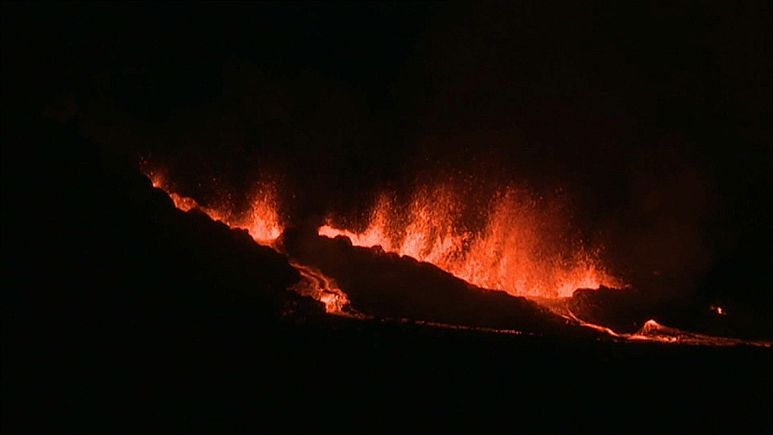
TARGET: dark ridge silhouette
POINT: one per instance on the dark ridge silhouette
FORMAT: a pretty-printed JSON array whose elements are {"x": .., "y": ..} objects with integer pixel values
[
  {"x": 117, "y": 246},
  {"x": 388, "y": 285},
  {"x": 111, "y": 291}
]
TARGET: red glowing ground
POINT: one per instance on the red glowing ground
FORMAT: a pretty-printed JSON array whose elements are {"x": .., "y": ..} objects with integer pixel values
[{"x": 516, "y": 246}]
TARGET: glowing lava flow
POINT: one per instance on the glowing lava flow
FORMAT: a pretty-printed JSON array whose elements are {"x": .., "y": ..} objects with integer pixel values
[
  {"x": 322, "y": 288},
  {"x": 263, "y": 224},
  {"x": 653, "y": 331},
  {"x": 519, "y": 248},
  {"x": 261, "y": 221},
  {"x": 512, "y": 251}
]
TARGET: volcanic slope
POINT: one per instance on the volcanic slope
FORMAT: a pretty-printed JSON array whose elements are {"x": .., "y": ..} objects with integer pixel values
[
  {"x": 387, "y": 285},
  {"x": 124, "y": 314}
]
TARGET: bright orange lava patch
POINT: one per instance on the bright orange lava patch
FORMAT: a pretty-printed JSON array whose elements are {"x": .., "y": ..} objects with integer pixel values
[
  {"x": 519, "y": 248},
  {"x": 261, "y": 221}
]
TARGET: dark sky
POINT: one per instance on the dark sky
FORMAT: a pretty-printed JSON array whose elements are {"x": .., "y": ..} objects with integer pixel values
[{"x": 649, "y": 116}]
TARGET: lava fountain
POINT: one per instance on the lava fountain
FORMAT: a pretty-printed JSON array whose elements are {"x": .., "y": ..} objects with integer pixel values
[
  {"x": 516, "y": 244},
  {"x": 261, "y": 220},
  {"x": 263, "y": 223}
]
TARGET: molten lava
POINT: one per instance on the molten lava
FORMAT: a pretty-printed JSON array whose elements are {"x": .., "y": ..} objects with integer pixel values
[
  {"x": 654, "y": 331},
  {"x": 322, "y": 288},
  {"x": 517, "y": 248},
  {"x": 514, "y": 245},
  {"x": 263, "y": 224},
  {"x": 261, "y": 221}
]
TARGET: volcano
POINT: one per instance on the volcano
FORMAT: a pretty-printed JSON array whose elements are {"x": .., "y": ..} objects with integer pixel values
[
  {"x": 369, "y": 281},
  {"x": 150, "y": 292},
  {"x": 437, "y": 217}
]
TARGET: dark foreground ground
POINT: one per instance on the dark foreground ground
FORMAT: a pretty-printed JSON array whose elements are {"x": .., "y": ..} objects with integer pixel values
[
  {"x": 123, "y": 314},
  {"x": 372, "y": 378}
]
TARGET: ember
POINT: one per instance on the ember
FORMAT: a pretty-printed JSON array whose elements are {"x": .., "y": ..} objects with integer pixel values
[
  {"x": 518, "y": 247},
  {"x": 261, "y": 221},
  {"x": 719, "y": 310}
]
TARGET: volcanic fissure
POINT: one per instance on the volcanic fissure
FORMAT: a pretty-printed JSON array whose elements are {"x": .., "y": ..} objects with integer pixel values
[{"x": 522, "y": 255}]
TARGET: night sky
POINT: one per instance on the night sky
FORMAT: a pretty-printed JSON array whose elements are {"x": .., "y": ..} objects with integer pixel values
[{"x": 648, "y": 117}]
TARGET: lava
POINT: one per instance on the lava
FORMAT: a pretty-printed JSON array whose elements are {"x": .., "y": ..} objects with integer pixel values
[
  {"x": 654, "y": 331},
  {"x": 718, "y": 310},
  {"x": 322, "y": 288},
  {"x": 261, "y": 221},
  {"x": 515, "y": 246},
  {"x": 651, "y": 331},
  {"x": 514, "y": 250},
  {"x": 263, "y": 224}
]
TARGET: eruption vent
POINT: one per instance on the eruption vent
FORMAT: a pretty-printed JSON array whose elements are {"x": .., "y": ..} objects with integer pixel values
[
  {"x": 261, "y": 220},
  {"x": 263, "y": 224},
  {"x": 515, "y": 245}
]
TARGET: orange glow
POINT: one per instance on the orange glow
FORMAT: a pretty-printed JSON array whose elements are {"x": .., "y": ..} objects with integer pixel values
[
  {"x": 261, "y": 221},
  {"x": 516, "y": 246},
  {"x": 517, "y": 249},
  {"x": 183, "y": 202},
  {"x": 654, "y": 331},
  {"x": 324, "y": 289},
  {"x": 263, "y": 224}
]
